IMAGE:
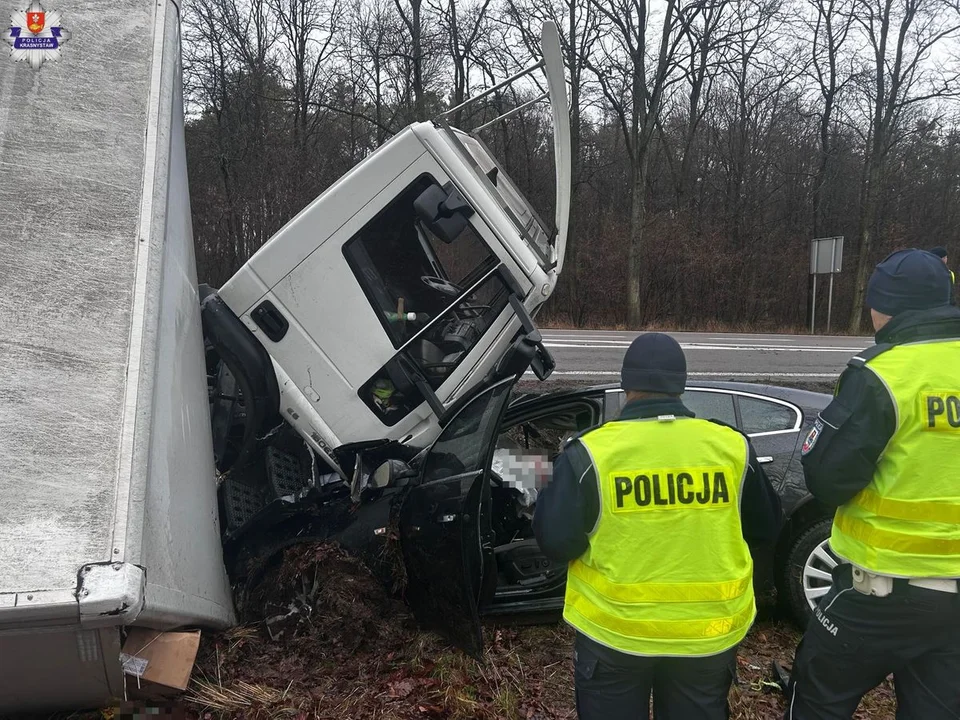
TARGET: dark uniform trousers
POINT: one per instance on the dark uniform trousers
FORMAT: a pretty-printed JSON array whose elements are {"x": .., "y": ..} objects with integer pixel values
[
  {"x": 855, "y": 641},
  {"x": 614, "y": 686}
]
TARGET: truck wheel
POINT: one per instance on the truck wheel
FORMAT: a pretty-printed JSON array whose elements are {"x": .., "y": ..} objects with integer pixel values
[
  {"x": 805, "y": 576},
  {"x": 232, "y": 431}
]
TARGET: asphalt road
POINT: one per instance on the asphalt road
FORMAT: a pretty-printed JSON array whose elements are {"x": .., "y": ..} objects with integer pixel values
[{"x": 595, "y": 356}]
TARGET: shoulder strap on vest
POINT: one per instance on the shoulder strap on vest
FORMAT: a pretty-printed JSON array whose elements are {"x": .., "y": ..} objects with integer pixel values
[
  {"x": 865, "y": 356},
  {"x": 724, "y": 424},
  {"x": 581, "y": 434},
  {"x": 737, "y": 430}
]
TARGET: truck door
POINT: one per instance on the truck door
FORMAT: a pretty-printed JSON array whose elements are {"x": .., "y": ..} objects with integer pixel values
[{"x": 445, "y": 528}]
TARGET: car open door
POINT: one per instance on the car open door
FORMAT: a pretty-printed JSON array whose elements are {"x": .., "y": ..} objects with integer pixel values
[{"x": 445, "y": 528}]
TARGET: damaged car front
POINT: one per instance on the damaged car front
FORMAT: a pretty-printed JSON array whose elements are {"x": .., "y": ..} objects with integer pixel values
[{"x": 360, "y": 363}]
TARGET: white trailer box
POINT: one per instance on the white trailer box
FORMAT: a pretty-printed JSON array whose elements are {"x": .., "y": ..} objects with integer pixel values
[{"x": 108, "y": 510}]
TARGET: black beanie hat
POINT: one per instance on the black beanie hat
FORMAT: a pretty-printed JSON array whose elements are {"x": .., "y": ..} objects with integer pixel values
[
  {"x": 908, "y": 280},
  {"x": 654, "y": 362},
  {"x": 940, "y": 251}
]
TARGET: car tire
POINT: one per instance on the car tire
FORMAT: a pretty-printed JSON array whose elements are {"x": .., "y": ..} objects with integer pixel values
[{"x": 801, "y": 580}]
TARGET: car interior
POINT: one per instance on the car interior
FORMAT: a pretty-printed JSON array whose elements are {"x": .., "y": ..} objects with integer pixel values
[{"x": 525, "y": 451}]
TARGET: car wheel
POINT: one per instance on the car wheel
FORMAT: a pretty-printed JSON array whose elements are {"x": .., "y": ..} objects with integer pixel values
[{"x": 805, "y": 575}]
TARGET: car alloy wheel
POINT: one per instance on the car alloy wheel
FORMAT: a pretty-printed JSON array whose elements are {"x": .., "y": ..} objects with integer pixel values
[{"x": 816, "y": 573}]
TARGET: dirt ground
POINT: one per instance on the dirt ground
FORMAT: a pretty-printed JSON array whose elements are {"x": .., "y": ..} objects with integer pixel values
[
  {"x": 341, "y": 648},
  {"x": 332, "y": 644}
]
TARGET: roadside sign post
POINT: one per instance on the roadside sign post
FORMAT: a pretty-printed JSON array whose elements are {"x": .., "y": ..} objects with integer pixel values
[{"x": 826, "y": 258}]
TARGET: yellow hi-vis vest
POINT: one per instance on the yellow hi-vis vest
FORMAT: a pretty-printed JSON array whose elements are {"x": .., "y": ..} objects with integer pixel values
[
  {"x": 667, "y": 571},
  {"x": 906, "y": 522}
]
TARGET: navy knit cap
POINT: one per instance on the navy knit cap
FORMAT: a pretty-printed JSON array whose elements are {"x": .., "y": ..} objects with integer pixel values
[
  {"x": 654, "y": 362},
  {"x": 908, "y": 280},
  {"x": 940, "y": 251}
]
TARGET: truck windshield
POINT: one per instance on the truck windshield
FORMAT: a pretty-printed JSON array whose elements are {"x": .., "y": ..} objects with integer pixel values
[{"x": 532, "y": 228}]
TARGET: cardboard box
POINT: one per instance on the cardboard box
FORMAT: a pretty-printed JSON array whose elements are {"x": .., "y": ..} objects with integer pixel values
[{"x": 157, "y": 665}]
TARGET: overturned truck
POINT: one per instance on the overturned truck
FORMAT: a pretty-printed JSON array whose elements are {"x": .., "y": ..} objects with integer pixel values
[
  {"x": 157, "y": 437},
  {"x": 360, "y": 363}
]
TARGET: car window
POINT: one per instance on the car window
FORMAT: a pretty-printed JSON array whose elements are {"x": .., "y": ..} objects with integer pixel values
[
  {"x": 462, "y": 446},
  {"x": 547, "y": 433},
  {"x": 764, "y": 416},
  {"x": 613, "y": 402},
  {"x": 711, "y": 405}
]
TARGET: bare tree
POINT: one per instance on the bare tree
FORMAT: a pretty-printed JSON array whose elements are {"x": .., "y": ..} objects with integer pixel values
[
  {"x": 901, "y": 35},
  {"x": 831, "y": 28},
  {"x": 635, "y": 86},
  {"x": 308, "y": 29},
  {"x": 762, "y": 67},
  {"x": 579, "y": 28},
  {"x": 412, "y": 17},
  {"x": 463, "y": 26},
  {"x": 370, "y": 56},
  {"x": 707, "y": 36},
  {"x": 708, "y": 136},
  {"x": 230, "y": 64}
]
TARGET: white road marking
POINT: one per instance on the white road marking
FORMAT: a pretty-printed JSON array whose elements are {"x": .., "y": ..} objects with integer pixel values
[
  {"x": 587, "y": 336},
  {"x": 630, "y": 335},
  {"x": 612, "y": 345},
  {"x": 594, "y": 373},
  {"x": 748, "y": 338}
]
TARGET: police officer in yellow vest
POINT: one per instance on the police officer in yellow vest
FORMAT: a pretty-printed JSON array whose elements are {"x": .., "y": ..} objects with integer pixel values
[
  {"x": 653, "y": 513},
  {"x": 885, "y": 453}
]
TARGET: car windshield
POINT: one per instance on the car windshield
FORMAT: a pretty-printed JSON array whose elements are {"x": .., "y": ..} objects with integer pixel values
[{"x": 532, "y": 228}]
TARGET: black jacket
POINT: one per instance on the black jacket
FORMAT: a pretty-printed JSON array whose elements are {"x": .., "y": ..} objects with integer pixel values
[
  {"x": 840, "y": 454},
  {"x": 569, "y": 507}
]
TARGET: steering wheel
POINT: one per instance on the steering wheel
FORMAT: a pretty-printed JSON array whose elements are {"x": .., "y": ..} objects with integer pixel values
[{"x": 440, "y": 285}]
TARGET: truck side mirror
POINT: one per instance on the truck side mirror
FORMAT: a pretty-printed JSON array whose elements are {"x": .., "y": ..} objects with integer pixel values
[
  {"x": 515, "y": 360},
  {"x": 443, "y": 210}
]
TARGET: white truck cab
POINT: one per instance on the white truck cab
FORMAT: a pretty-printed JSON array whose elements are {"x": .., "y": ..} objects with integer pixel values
[{"x": 404, "y": 286}]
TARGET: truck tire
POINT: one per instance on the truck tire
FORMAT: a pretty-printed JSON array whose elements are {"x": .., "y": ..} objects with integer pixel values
[
  {"x": 230, "y": 343},
  {"x": 800, "y": 579}
]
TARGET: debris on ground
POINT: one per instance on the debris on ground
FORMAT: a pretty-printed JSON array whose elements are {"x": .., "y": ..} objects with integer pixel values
[
  {"x": 329, "y": 642},
  {"x": 322, "y": 639},
  {"x": 757, "y": 695}
]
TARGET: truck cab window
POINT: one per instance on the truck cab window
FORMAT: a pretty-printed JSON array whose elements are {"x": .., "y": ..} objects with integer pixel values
[
  {"x": 409, "y": 275},
  {"x": 434, "y": 299}
]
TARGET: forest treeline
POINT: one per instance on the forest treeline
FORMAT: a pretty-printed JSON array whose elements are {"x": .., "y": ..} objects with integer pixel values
[{"x": 712, "y": 139}]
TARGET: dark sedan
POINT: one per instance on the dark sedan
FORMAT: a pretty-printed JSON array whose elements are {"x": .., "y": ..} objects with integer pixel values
[
  {"x": 460, "y": 511},
  {"x": 775, "y": 418}
]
